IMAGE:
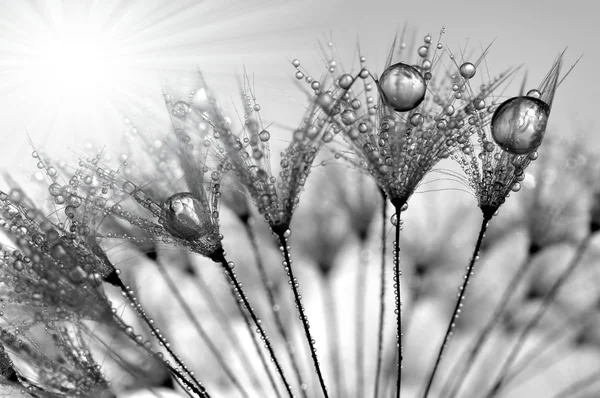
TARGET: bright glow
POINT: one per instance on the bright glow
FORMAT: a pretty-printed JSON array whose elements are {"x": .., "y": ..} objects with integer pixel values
[
  {"x": 79, "y": 63},
  {"x": 72, "y": 71}
]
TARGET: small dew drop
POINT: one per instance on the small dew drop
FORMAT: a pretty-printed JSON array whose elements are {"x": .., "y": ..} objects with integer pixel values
[{"x": 467, "y": 70}]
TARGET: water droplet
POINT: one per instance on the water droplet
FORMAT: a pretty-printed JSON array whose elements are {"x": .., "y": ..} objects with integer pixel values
[
  {"x": 534, "y": 94},
  {"x": 180, "y": 109},
  {"x": 467, "y": 70},
  {"x": 128, "y": 187},
  {"x": 296, "y": 63},
  {"x": 264, "y": 136},
  {"x": 348, "y": 117},
  {"x": 345, "y": 81},
  {"x": 416, "y": 119},
  {"x": 519, "y": 124},
  {"x": 327, "y": 103},
  {"x": 55, "y": 189},
  {"x": 184, "y": 216},
  {"x": 402, "y": 87}
]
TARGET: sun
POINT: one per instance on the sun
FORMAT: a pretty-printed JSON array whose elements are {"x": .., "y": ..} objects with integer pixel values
[
  {"x": 72, "y": 71},
  {"x": 77, "y": 61}
]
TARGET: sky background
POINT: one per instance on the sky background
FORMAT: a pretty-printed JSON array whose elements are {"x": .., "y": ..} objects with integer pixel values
[{"x": 71, "y": 71}]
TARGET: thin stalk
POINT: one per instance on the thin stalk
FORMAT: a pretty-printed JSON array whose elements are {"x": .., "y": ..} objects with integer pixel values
[
  {"x": 361, "y": 282},
  {"x": 254, "y": 339},
  {"x": 194, "y": 384},
  {"x": 203, "y": 335},
  {"x": 458, "y": 306},
  {"x": 398, "y": 310},
  {"x": 219, "y": 256},
  {"x": 228, "y": 330},
  {"x": 331, "y": 322},
  {"x": 294, "y": 283},
  {"x": 381, "y": 296},
  {"x": 516, "y": 349},
  {"x": 273, "y": 303},
  {"x": 197, "y": 388},
  {"x": 468, "y": 360}
]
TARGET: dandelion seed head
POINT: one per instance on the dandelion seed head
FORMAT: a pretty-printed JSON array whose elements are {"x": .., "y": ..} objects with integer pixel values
[{"x": 507, "y": 136}]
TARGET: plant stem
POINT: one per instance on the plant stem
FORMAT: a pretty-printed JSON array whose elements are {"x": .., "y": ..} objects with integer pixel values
[
  {"x": 273, "y": 304},
  {"x": 194, "y": 385},
  {"x": 575, "y": 261},
  {"x": 253, "y": 338},
  {"x": 381, "y": 296},
  {"x": 219, "y": 256},
  {"x": 294, "y": 283},
  {"x": 458, "y": 306},
  {"x": 397, "y": 274},
  {"x": 468, "y": 360},
  {"x": 207, "y": 340},
  {"x": 227, "y": 328}
]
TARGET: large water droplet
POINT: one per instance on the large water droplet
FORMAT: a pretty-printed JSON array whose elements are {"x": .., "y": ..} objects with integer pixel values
[
  {"x": 519, "y": 124},
  {"x": 184, "y": 216},
  {"x": 402, "y": 87}
]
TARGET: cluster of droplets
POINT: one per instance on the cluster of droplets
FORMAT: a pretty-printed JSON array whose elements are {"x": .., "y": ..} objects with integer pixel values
[
  {"x": 508, "y": 136},
  {"x": 50, "y": 278},
  {"x": 248, "y": 156},
  {"x": 416, "y": 121}
]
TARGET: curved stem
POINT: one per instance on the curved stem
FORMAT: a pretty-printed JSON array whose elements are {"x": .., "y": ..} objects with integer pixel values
[
  {"x": 516, "y": 349},
  {"x": 219, "y": 257},
  {"x": 468, "y": 360},
  {"x": 458, "y": 306},
  {"x": 203, "y": 335},
  {"x": 227, "y": 328},
  {"x": 294, "y": 284},
  {"x": 194, "y": 384},
  {"x": 255, "y": 341},
  {"x": 381, "y": 297},
  {"x": 273, "y": 304},
  {"x": 175, "y": 372},
  {"x": 398, "y": 310}
]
